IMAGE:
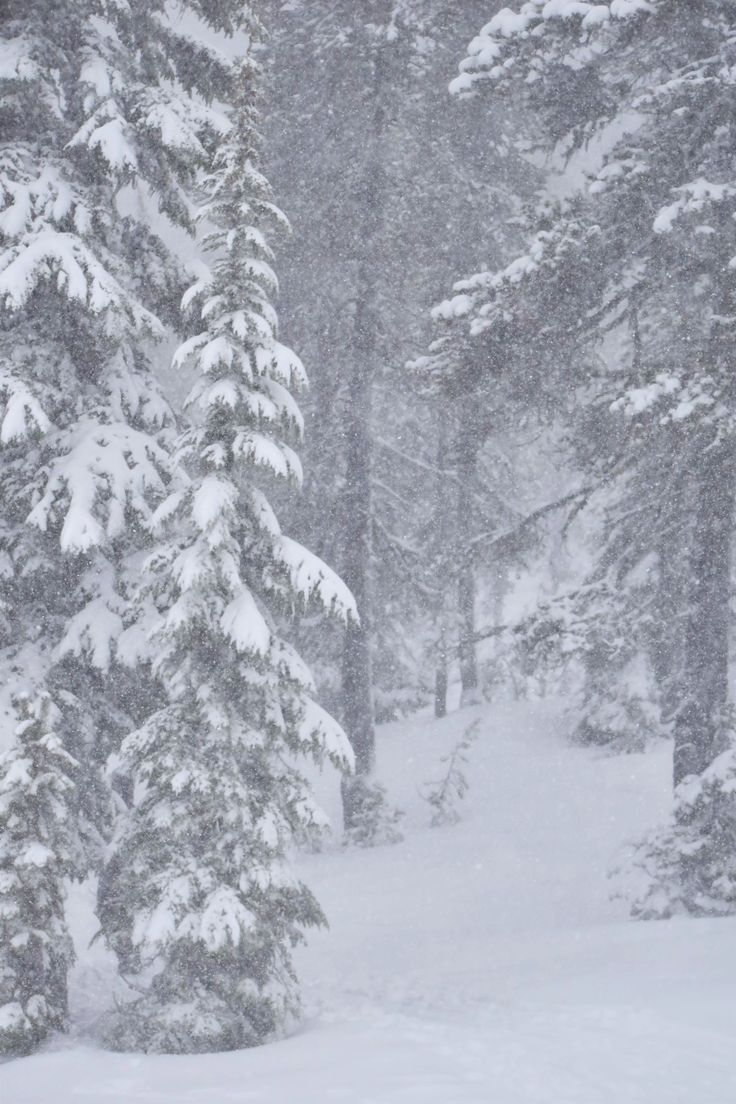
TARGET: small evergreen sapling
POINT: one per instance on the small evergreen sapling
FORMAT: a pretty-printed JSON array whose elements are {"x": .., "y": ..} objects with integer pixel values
[
  {"x": 447, "y": 793},
  {"x": 36, "y": 856}
]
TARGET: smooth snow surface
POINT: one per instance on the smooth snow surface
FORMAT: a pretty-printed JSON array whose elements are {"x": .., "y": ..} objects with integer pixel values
[{"x": 477, "y": 964}]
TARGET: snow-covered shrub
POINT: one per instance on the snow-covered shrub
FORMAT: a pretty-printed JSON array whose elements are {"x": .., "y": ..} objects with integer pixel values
[{"x": 374, "y": 820}]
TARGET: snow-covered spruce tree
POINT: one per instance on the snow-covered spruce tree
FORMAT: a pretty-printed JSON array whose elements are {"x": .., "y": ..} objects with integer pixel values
[
  {"x": 196, "y": 900},
  {"x": 104, "y": 119},
  {"x": 80, "y": 409},
  {"x": 649, "y": 247},
  {"x": 37, "y": 852}
]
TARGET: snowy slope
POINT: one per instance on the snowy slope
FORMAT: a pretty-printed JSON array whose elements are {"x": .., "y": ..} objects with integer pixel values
[{"x": 478, "y": 964}]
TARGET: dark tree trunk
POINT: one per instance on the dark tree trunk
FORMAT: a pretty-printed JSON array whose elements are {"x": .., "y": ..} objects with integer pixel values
[
  {"x": 441, "y": 536},
  {"x": 357, "y": 680},
  {"x": 357, "y": 683},
  {"x": 467, "y": 648},
  {"x": 440, "y": 678},
  {"x": 467, "y": 464},
  {"x": 700, "y": 717}
]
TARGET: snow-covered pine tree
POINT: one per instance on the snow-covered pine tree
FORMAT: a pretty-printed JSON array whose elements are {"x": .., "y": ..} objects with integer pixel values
[
  {"x": 80, "y": 408},
  {"x": 196, "y": 899},
  {"x": 38, "y": 839},
  {"x": 105, "y": 114},
  {"x": 647, "y": 247}
]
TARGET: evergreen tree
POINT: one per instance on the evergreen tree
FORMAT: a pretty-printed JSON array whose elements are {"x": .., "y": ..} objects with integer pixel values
[
  {"x": 81, "y": 410},
  {"x": 37, "y": 852},
  {"x": 196, "y": 899},
  {"x": 646, "y": 249},
  {"x": 106, "y": 112}
]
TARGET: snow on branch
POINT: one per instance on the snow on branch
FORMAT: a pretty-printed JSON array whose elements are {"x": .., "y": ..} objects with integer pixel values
[
  {"x": 313, "y": 580},
  {"x": 492, "y": 53}
]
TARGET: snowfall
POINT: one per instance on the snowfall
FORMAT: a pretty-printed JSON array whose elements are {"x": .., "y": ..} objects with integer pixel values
[{"x": 482, "y": 963}]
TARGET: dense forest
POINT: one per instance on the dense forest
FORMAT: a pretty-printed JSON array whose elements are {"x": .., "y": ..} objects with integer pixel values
[{"x": 367, "y": 467}]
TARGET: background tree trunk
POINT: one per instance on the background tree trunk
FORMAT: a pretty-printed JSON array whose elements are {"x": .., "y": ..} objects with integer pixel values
[
  {"x": 357, "y": 700},
  {"x": 357, "y": 521},
  {"x": 468, "y": 442},
  {"x": 442, "y": 541},
  {"x": 700, "y": 717}
]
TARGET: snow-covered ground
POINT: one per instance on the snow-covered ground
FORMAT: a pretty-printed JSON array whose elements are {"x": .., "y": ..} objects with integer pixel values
[{"x": 477, "y": 964}]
